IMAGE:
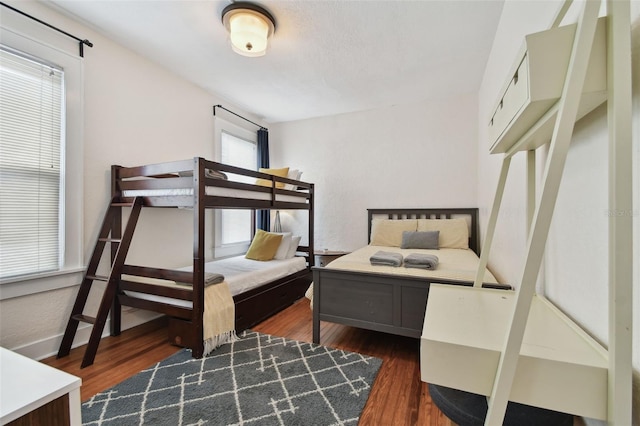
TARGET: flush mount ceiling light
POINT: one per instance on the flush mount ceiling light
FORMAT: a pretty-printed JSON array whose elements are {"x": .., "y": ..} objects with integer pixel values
[{"x": 249, "y": 26}]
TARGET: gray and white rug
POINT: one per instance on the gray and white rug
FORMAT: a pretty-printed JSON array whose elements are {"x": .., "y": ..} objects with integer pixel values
[{"x": 258, "y": 380}]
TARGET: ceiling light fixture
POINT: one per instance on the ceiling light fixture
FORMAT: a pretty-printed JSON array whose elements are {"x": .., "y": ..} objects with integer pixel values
[{"x": 249, "y": 26}]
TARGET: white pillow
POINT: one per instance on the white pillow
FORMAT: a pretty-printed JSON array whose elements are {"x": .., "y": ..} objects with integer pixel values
[
  {"x": 293, "y": 246},
  {"x": 283, "y": 248},
  {"x": 454, "y": 233},
  {"x": 295, "y": 175},
  {"x": 388, "y": 232}
]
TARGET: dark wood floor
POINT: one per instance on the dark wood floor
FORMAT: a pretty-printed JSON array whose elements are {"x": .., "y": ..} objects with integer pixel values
[{"x": 398, "y": 397}]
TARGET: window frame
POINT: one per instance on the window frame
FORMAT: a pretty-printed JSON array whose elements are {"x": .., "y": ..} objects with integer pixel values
[
  {"x": 223, "y": 126},
  {"x": 72, "y": 266}
]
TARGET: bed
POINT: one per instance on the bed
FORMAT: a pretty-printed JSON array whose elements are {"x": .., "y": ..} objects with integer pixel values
[
  {"x": 199, "y": 184},
  {"x": 391, "y": 299}
]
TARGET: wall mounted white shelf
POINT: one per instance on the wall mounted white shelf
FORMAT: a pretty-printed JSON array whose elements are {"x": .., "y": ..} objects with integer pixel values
[{"x": 536, "y": 83}]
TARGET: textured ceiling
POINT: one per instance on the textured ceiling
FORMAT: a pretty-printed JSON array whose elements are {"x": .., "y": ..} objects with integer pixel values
[{"x": 326, "y": 57}]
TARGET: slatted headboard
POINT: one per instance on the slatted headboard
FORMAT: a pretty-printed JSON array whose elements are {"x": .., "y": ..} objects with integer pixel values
[{"x": 471, "y": 214}]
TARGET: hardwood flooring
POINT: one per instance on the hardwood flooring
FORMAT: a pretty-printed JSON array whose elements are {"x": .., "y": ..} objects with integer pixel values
[{"x": 398, "y": 397}]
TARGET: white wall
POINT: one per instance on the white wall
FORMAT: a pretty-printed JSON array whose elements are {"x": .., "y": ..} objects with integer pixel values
[
  {"x": 135, "y": 113},
  {"x": 420, "y": 155},
  {"x": 575, "y": 274}
]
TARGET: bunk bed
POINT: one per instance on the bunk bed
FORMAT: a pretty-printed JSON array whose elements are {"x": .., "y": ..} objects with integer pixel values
[
  {"x": 197, "y": 185},
  {"x": 390, "y": 299}
]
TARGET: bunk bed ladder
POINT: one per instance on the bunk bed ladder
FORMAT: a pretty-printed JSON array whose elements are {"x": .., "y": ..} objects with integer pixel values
[{"x": 119, "y": 250}]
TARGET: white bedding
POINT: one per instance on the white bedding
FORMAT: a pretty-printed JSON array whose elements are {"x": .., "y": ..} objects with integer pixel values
[
  {"x": 214, "y": 191},
  {"x": 245, "y": 274},
  {"x": 241, "y": 275},
  {"x": 454, "y": 264}
]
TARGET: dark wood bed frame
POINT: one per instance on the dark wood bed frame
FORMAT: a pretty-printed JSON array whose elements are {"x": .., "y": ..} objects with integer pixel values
[
  {"x": 185, "y": 324},
  {"x": 382, "y": 302}
]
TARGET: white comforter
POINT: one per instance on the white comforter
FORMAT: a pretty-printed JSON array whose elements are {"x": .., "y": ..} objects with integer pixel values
[
  {"x": 454, "y": 264},
  {"x": 240, "y": 275},
  {"x": 244, "y": 274}
]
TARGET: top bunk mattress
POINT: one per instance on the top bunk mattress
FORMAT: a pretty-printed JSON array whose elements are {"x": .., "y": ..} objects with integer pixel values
[
  {"x": 214, "y": 191},
  {"x": 453, "y": 264},
  {"x": 175, "y": 182}
]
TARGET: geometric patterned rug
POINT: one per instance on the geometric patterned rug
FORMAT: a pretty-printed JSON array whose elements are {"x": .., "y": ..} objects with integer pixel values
[{"x": 257, "y": 380}]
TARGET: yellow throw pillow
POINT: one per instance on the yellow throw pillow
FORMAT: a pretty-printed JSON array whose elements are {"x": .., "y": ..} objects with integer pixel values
[
  {"x": 276, "y": 172},
  {"x": 264, "y": 246}
]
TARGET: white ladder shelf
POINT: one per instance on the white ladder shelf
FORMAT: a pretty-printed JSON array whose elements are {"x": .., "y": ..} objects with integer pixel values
[{"x": 519, "y": 346}]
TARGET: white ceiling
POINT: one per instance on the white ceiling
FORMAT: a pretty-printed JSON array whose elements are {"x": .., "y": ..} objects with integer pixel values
[{"x": 326, "y": 57}]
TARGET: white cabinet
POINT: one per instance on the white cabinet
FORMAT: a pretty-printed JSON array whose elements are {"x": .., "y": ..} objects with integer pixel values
[
  {"x": 535, "y": 85},
  {"x": 34, "y": 393}
]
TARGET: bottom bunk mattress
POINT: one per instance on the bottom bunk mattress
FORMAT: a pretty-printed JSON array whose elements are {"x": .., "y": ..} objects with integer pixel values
[{"x": 240, "y": 274}]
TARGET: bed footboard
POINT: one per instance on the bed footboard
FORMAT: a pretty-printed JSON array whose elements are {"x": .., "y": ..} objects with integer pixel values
[
  {"x": 379, "y": 302},
  {"x": 393, "y": 305}
]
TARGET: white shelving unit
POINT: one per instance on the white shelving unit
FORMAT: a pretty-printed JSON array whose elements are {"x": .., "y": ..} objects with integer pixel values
[
  {"x": 536, "y": 85},
  {"x": 564, "y": 370},
  {"x": 518, "y": 346}
]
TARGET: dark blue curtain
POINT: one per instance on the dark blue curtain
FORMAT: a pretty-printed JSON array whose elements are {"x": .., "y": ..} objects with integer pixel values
[{"x": 263, "y": 218}]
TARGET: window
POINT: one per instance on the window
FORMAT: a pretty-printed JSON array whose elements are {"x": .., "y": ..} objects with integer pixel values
[
  {"x": 31, "y": 130},
  {"x": 236, "y": 225},
  {"x": 41, "y": 222}
]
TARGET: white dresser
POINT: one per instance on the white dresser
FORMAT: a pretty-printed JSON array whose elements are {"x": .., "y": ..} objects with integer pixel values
[{"x": 32, "y": 392}]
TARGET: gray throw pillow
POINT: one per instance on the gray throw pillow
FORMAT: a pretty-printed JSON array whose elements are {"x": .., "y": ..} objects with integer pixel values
[{"x": 420, "y": 240}]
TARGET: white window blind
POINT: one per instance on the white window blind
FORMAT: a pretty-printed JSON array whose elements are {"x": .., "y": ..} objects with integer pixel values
[
  {"x": 31, "y": 142},
  {"x": 235, "y": 151}
]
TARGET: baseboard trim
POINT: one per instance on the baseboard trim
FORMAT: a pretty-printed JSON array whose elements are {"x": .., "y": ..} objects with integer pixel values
[{"x": 48, "y": 347}]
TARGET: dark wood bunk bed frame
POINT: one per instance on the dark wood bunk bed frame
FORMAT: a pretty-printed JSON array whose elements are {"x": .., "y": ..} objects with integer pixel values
[
  {"x": 185, "y": 324},
  {"x": 383, "y": 302}
]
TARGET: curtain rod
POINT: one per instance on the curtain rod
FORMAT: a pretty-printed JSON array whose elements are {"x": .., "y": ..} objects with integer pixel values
[
  {"x": 238, "y": 115},
  {"x": 79, "y": 40}
]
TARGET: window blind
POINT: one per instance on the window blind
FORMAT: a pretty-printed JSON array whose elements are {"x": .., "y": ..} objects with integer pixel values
[
  {"x": 31, "y": 178},
  {"x": 237, "y": 152}
]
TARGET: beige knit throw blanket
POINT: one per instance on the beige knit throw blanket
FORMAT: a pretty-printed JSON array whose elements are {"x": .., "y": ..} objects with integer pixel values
[
  {"x": 219, "y": 316},
  {"x": 219, "y": 310}
]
